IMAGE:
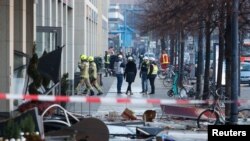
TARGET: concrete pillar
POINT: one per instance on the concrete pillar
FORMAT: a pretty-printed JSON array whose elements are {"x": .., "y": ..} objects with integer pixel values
[
  {"x": 6, "y": 51},
  {"x": 70, "y": 45},
  {"x": 55, "y": 13},
  {"x": 65, "y": 39},
  {"x": 30, "y": 26},
  {"x": 79, "y": 30},
  {"x": 20, "y": 25},
  {"x": 85, "y": 25}
]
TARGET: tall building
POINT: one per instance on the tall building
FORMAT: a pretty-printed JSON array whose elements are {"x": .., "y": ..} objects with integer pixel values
[
  {"x": 116, "y": 19},
  {"x": 79, "y": 26},
  {"x": 125, "y": 2},
  {"x": 16, "y": 34},
  {"x": 129, "y": 10},
  {"x": 92, "y": 30}
]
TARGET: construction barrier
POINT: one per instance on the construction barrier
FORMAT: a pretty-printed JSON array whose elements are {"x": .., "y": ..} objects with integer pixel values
[{"x": 107, "y": 100}]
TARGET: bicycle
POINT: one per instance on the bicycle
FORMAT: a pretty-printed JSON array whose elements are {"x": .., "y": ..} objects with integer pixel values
[
  {"x": 214, "y": 115},
  {"x": 168, "y": 80},
  {"x": 162, "y": 73},
  {"x": 175, "y": 90}
]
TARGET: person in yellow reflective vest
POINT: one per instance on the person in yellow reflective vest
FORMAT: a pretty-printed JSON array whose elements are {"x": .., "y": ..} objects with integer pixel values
[
  {"x": 153, "y": 69},
  {"x": 106, "y": 63},
  {"x": 93, "y": 75},
  {"x": 84, "y": 67}
]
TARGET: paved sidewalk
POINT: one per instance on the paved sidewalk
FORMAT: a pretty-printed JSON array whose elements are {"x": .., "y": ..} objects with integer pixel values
[
  {"x": 179, "y": 128},
  {"x": 136, "y": 89},
  {"x": 109, "y": 88}
]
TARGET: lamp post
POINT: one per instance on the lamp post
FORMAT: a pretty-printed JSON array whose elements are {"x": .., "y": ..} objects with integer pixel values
[
  {"x": 235, "y": 88},
  {"x": 125, "y": 29}
]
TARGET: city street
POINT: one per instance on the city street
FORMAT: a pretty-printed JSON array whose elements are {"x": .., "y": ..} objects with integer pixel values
[
  {"x": 109, "y": 88},
  {"x": 180, "y": 129},
  {"x": 49, "y": 46}
]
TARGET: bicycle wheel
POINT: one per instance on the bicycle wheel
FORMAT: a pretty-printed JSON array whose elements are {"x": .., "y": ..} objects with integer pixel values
[
  {"x": 161, "y": 74},
  {"x": 244, "y": 116},
  {"x": 191, "y": 93},
  {"x": 167, "y": 82},
  {"x": 183, "y": 92},
  {"x": 170, "y": 93},
  {"x": 185, "y": 80},
  {"x": 207, "y": 117}
]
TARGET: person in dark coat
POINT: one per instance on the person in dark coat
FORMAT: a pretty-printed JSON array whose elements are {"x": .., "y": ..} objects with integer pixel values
[
  {"x": 130, "y": 73},
  {"x": 140, "y": 60},
  {"x": 113, "y": 59}
]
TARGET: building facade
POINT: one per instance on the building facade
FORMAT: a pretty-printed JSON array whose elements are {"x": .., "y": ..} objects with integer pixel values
[
  {"x": 79, "y": 26},
  {"x": 16, "y": 34},
  {"x": 92, "y": 30}
]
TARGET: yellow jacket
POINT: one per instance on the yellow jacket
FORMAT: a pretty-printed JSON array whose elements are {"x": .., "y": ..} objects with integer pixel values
[
  {"x": 84, "y": 67},
  {"x": 92, "y": 70}
]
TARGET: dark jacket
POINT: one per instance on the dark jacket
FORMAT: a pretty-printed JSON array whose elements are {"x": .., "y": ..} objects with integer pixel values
[
  {"x": 144, "y": 68},
  {"x": 113, "y": 58},
  {"x": 130, "y": 71}
]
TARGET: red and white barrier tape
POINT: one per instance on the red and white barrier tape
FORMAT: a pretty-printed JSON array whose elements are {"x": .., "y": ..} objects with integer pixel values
[{"x": 106, "y": 100}]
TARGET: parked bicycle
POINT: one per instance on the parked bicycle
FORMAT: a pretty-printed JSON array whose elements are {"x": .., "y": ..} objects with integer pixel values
[
  {"x": 166, "y": 73},
  {"x": 168, "y": 80},
  {"x": 215, "y": 115},
  {"x": 175, "y": 90}
]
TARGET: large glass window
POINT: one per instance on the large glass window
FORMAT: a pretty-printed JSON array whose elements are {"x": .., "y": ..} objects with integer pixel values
[
  {"x": 20, "y": 74},
  {"x": 45, "y": 41}
]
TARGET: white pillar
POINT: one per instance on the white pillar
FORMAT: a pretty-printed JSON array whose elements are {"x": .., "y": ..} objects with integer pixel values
[
  {"x": 6, "y": 51},
  {"x": 85, "y": 26}
]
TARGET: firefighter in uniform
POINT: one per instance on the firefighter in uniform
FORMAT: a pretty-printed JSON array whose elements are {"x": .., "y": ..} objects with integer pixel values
[
  {"x": 93, "y": 75},
  {"x": 164, "y": 60},
  {"x": 153, "y": 69},
  {"x": 84, "y": 67},
  {"x": 106, "y": 63}
]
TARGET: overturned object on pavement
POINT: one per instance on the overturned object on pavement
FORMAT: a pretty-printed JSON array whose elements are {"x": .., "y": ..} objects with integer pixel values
[
  {"x": 128, "y": 114},
  {"x": 145, "y": 132},
  {"x": 90, "y": 129},
  {"x": 149, "y": 115}
]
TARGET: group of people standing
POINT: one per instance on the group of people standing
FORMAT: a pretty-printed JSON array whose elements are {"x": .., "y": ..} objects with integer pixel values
[
  {"x": 149, "y": 70},
  {"x": 123, "y": 68},
  {"x": 128, "y": 70}
]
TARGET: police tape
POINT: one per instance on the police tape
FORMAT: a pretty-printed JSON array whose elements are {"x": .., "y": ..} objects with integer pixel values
[{"x": 108, "y": 100}]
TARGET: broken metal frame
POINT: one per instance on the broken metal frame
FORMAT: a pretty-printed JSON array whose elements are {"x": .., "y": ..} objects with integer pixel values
[{"x": 66, "y": 114}]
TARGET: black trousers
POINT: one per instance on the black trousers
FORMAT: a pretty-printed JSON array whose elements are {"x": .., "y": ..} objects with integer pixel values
[
  {"x": 152, "y": 82},
  {"x": 129, "y": 87}
]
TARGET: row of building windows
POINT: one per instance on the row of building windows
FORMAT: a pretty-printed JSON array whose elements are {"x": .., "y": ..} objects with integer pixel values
[
  {"x": 94, "y": 2},
  {"x": 92, "y": 15}
]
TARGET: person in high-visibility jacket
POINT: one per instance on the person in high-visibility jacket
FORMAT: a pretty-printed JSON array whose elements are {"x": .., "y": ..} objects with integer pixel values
[
  {"x": 164, "y": 60},
  {"x": 153, "y": 69},
  {"x": 84, "y": 67},
  {"x": 106, "y": 63},
  {"x": 144, "y": 74},
  {"x": 93, "y": 75}
]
